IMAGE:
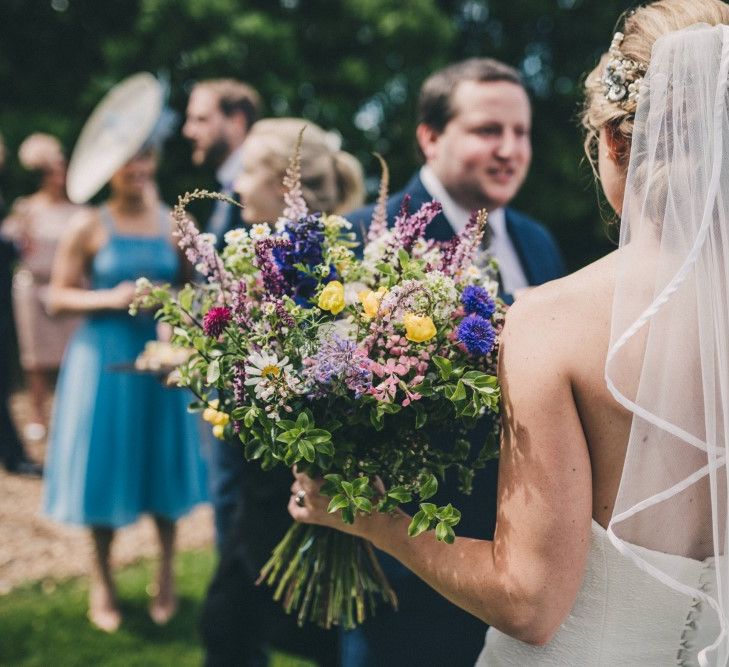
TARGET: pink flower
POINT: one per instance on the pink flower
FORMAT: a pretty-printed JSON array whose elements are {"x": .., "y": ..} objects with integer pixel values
[{"x": 215, "y": 321}]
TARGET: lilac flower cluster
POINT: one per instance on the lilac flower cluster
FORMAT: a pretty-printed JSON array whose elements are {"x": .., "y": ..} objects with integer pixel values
[
  {"x": 305, "y": 237},
  {"x": 409, "y": 228},
  {"x": 339, "y": 359},
  {"x": 273, "y": 279},
  {"x": 477, "y": 300},
  {"x": 201, "y": 253},
  {"x": 458, "y": 253},
  {"x": 241, "y": 305},
  {"x": 239, "y": 389},
  {"x": 477, "y": 334}
]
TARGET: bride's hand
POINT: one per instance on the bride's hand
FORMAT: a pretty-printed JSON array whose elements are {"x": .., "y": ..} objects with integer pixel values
[{"x": 308, "y": 505}]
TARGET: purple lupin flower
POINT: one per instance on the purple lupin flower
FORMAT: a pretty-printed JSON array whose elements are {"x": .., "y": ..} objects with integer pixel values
[
  {"x": 215, "y": 321},
  {"x": 461, "y": 252},
  {"x": 241, "y": 305},
  {"x": 273, "y": 281}
]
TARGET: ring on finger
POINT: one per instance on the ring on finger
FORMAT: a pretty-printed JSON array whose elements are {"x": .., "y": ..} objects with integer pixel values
[{"x": 300, "y": 497}]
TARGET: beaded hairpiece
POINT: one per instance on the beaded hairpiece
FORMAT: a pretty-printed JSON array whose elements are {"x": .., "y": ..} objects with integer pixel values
[{"x": 622, "y": 77}]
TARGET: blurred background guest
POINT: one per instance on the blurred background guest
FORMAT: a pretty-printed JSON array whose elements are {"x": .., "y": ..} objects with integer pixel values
[
  {"x": 35, "y": 223},
  {"x": 12, "y": 453},
  {"x": 121, "y": 444},
  {"x": 240, "y": 619},
  {"x": 220, "y": 113}
]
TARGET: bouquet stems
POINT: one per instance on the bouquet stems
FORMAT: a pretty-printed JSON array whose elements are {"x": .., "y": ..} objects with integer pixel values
[{"x": 326, "y": 576}]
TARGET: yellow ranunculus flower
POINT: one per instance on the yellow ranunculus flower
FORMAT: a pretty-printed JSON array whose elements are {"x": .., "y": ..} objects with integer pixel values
[
  {"x": 418, "y": 328},
  {"x": 219, "y": 431},
  {"x": 209, "y": 413},
  {"x": 371, "y": 300},
  {"x": 332, "y": 297},
  {"x": 221, "y": 419}
]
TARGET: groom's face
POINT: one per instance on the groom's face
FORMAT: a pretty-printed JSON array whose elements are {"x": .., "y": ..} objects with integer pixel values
[{"x": 483, "y": 153}]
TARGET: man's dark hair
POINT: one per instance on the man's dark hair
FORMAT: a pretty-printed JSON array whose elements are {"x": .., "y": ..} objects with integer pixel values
[
  {"x": 235, "y": 97},
  {"x": 435, "y": 103}
]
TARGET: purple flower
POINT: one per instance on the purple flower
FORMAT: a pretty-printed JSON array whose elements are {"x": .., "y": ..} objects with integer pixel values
[
  {"x": 215, "y": 320},
  {"x": 410, "y": 228},
  {"x": 477, "y": 334},
  {"x": 273, "y": 280},
  {"x": 339, "y": 359},
  {"x": 477, "y": 300}
]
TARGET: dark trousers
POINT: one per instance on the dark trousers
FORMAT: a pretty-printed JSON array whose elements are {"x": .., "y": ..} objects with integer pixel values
[{"x": 240, "y": 620}]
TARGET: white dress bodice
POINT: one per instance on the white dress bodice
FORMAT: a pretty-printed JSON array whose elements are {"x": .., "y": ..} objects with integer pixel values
[{"x": 622, "y": 616}]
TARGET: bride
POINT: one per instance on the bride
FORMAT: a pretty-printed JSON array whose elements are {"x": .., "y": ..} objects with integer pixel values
[{"x": 612, "y": 523}]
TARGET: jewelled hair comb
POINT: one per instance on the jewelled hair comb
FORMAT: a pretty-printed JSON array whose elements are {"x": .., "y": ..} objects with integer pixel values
[{"x": 622, "y": 77}]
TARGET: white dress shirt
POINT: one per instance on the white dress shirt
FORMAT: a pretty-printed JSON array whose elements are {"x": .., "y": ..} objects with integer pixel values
[{"x": 501, "y": 247}]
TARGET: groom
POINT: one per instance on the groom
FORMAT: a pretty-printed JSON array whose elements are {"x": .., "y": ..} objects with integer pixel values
[{"x": 474, "y": 121}]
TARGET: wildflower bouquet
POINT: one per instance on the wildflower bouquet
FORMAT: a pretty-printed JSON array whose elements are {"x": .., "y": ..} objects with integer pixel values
[{"x": 354, "y": 370}]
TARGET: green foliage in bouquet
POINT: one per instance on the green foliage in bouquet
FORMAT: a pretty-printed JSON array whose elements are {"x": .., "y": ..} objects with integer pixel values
[{"x": 370, "y": 372}]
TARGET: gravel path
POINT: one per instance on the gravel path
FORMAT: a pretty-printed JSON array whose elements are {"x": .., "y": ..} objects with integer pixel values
[{"x": 34, "y": 548}]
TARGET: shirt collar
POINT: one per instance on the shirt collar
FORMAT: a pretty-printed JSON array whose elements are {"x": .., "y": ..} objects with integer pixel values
[
  {"x": 229, "y": 170},
  {"x": 453, "y": 211}
]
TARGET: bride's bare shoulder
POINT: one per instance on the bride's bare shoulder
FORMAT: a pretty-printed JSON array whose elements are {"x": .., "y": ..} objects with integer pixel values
[{"x": 570, "y": 306}]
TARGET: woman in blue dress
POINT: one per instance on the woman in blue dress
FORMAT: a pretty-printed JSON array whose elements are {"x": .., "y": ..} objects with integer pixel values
[{"x": 121, "y": 444}]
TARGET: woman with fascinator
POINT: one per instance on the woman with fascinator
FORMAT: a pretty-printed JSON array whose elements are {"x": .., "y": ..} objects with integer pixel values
[
  {"x": 121, "y": 444},
  {"x": 610, "y": 543}
]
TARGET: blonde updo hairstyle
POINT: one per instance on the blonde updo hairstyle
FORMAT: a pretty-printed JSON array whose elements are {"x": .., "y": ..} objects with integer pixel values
[
  {"x": 39, "y": 151},
  {"x": 641, "y": 27},
  {"x": 332, "y": 180}
]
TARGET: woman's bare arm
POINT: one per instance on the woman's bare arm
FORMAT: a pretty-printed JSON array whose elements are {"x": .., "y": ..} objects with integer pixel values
[
  {"x": 75, "y": 251},
  {"x": 525, "y": 581}
]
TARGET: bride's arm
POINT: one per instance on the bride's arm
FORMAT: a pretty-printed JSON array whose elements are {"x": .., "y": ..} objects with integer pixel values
[{"x": 525, "y": 581}]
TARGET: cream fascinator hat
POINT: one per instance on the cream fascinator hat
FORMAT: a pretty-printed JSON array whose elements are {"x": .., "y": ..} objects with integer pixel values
[{"x": 130, "y": 116}]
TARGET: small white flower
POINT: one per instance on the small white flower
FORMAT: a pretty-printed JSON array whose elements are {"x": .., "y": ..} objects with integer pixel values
[
  {"x": 208, "y": 238},
  {"x": 235, "y": 236},
  {"x": 419, "y": 247},
  {"x": 260, "y": 231},
  {"x": 268, "y": 308},
  {"x": 281, "y": 225},
  {"x": 337, "y": 222}
]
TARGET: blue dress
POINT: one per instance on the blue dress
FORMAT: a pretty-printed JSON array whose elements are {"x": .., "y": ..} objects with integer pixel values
[{"x": 121, "y": 444}]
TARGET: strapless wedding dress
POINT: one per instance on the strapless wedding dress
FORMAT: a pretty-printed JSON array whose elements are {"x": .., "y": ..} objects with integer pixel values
[{"x": 622, "y": 616}]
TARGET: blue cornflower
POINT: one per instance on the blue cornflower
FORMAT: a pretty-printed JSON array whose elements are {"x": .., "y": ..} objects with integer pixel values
[
  {"x": 477, "y": 300},
  {"x": 477, "y": 334}
]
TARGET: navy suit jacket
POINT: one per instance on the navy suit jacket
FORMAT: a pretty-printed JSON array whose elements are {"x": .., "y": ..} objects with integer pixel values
[{"x": 446, "y": 635}]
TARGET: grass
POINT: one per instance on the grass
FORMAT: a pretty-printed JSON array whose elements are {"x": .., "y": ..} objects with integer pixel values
[{"x": 44, "y": 623}]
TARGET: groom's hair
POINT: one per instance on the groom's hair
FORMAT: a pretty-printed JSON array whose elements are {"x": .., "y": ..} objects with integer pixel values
[{"x": 435, "y": 107}]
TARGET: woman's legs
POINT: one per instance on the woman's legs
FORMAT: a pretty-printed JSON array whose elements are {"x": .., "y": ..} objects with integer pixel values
[
  {"x": 39, "y": 383},
  {"x": 164, "y": 604},
  {"x": 103, "y": 610}
]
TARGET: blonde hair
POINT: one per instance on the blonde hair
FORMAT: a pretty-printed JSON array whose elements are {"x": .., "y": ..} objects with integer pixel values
[
  {"x": 332, "y": 180},
  {"x": 641, "y": 27}
]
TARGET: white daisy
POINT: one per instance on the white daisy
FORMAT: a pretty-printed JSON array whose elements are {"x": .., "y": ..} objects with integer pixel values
[
  {"x": 263, "y": 371},
  {"x": 235, "y": 236},
  {"x": 260, "y": 231},
  {"x": 208, "y": 238},
  {"x": 281, "y": 225}
]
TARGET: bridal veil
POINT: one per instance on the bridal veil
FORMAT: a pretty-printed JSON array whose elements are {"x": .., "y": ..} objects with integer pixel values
[{"x": 668, "y": 361}]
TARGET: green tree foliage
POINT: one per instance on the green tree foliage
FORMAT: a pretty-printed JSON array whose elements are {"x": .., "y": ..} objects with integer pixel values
[{"x": 353, "y": 65}]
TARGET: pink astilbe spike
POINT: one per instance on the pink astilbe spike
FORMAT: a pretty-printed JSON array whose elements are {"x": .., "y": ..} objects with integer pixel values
[
  {"x": 378, "y": 226},
  {"x": 293, "y": 197},
  {"x": 410, "y": 228}
]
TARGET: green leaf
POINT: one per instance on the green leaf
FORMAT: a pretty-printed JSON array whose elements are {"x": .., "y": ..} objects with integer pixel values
[
  {"x": 404, "y": 258},
  {"x": 337, "y": 503},
  {"x": 429, "y": 488},
  {"x": 213, "y": 372},
  {"x": 302, "y": 421},
  {"x": 444, "y": 366},
  {"x": 307, "y": 450},
  {"x": 289, "y": 437},
  {"x": 444, "y": 533},
  {"x": 400, "y": 493},
  {"x": 429, "y": 509},
  {"x": 360, "y": 485},
  {"x": 185, "y": 297},
  {"x": 421, "y": 416},
  {"x": 318, "y": 435},
  {"x": 348, "y": 514},
  {"x": 326, "y": 448},
  {"x": 363, "y": 504},
  {"x": 419, "y": 524},
  {"x": 348, "y": 488}
]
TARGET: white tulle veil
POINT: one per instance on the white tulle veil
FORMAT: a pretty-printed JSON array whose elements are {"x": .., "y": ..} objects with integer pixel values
[{"x": 668, "y": 361}]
